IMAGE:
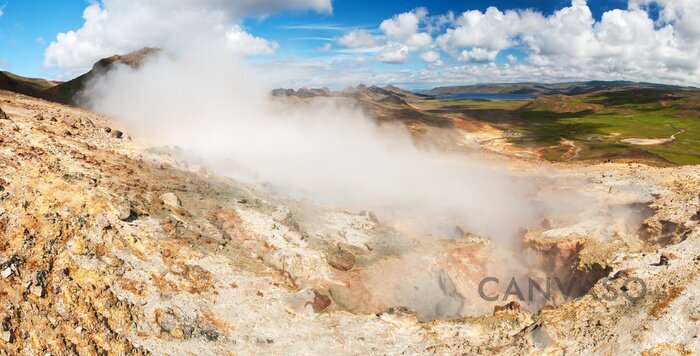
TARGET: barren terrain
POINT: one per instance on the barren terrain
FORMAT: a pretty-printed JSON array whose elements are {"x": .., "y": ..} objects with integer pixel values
[{"x": 110, "y": 245}]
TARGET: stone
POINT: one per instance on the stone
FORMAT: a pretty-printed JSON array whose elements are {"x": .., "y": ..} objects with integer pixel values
[
  {"x": 123, "y": 209},
  {"x": 696, "y": 217},
  {"x": 282, "y": 214},
  {"x": 38, "y": 290},
  {"x": 320, "y": 302},
  {"x": 665, "y": 258},
  {"x": 401, "y": 312},
  {"x": 167, "y": 320},
  {"x": 6, "y": 273},
  {"x": 102, "y": 223},
  {"x": 510, "y": 308},
  {"x": 117, "y": 134},
  {"x": 3, "y": 116},
  {"x": 7, "y": 336},
  {"x": 341, "y": 260},
  {"x": 171, "y": 200}
]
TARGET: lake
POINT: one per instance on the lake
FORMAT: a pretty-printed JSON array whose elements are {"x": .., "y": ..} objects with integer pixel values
[{"x": 488, "y": 96}]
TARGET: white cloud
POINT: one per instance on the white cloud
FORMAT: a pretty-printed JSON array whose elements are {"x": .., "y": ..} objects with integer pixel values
[
  {"x": 375, "y": 49},
  {"x": 2, "y": 10},
  {"x": 326, "y": 47},
  {"x": 419, "y": 40},
  {"x": 404, "y": 28},
  {"x": 624, "y": 43},
  {"x": 430, "y": 56},
  {"x": 247, "y": 44},
  {"x": 492, "y": 30},
  {"x": 358, "y": 39},
  {"x": 121, "y": 26},
  {"x": 394, "y": 53},
  {"x": 477, "y": 55},
  {"x": 570, "y": 44},
  {"x": 683, "y": 14}
]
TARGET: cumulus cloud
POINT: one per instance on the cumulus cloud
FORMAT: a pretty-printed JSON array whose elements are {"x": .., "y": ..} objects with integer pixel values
[
  {"x": 568, "y": 45},
  {"x": 491, "y": 30},
  {"x": 477, "y": 55},
  {"x": 394, "y": 53},
  {"x": 121, "y": 26},
  {"x": 430, "y": 56},
  {"x": 402, "y": 34},
  {"x": 404, "y": 28},
  {"x": 650, "y": 40},
  {"x": 683, "y": 14},
  {"x": 247, "y": 44},
  {"x": 623, "y": 43},
  {"x": 358, "y": 39}
]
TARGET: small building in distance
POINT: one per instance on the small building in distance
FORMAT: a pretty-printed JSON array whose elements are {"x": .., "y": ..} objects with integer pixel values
[{"x": 509, "y": 134}]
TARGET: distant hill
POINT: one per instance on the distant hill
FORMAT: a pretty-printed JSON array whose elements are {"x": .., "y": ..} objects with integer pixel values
[
  {"x": 303, "y": 92},
  {"x": 68, "y": 92},
  {"x": 27, "y": 86},
  {"x": 359, "y": 92},
  {"x": 538, "y": 89}
]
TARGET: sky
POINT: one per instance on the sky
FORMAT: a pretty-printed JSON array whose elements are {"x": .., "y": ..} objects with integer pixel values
[{"x": 336, "y": 43}]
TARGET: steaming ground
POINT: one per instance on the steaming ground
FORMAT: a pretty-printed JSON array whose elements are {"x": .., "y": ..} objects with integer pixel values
[
  {"x": 109, "y": 245},
  {"x": 330, "y": 152},
  {"x": 218, "y": 111}
]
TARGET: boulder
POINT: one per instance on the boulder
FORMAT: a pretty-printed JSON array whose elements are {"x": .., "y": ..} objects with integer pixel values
[
  {"x": 341, "y": 260},
  {"x": 3, "y": 116},
  {"x": 171, "y": 200}
]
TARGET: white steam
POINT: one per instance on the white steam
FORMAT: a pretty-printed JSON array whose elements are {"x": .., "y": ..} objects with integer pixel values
[{"x": 216, "y": 107}]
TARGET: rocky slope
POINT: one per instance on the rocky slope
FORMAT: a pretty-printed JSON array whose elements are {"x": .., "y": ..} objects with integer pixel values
[
  {"x": 108, "y": 245},
  {"x": 69, "y": 92}
]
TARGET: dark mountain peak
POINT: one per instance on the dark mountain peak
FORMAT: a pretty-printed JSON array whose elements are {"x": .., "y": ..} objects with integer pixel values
[
  {"x": 133, "y": 59},
  {"x": 68, "y": 92}
]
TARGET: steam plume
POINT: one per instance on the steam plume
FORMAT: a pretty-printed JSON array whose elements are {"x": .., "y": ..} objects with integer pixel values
[{"x": 214, "y": 106}]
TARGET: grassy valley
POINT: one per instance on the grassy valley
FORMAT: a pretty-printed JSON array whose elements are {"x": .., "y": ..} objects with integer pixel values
[{"x": 636, "y": 124}]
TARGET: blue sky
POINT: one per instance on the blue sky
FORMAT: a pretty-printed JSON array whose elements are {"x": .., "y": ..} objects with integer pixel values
[
  {"x": 298, "y": 37},
  {"x": 26, "y": 22}
]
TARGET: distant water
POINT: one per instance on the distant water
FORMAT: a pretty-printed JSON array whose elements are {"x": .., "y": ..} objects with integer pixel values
[{"x": 488, "y": 97}]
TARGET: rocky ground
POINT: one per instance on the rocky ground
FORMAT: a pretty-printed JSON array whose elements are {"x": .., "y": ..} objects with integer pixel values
[{"x": 108, "y": 245}]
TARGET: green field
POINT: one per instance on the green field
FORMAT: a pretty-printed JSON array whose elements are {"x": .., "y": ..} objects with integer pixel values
[{"x": 598, "y": 123}]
